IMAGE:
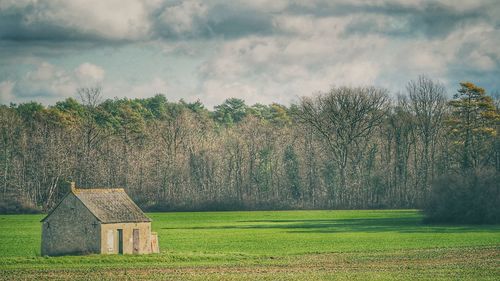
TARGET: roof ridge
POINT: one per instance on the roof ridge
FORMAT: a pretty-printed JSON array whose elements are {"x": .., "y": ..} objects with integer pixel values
[
  {"x": 110, "y": 205},
  {"x": 100, "y": 189}
]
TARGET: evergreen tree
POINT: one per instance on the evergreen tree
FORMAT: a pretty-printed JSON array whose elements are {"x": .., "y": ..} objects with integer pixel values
[{"x": 473, "y": 124}]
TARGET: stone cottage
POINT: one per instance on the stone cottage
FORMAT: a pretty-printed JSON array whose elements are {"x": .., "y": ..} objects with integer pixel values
[{"x": 103, "y": 220}]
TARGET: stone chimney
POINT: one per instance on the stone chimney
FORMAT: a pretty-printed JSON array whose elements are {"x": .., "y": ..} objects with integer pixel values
[{"x": 72, "y": 186}]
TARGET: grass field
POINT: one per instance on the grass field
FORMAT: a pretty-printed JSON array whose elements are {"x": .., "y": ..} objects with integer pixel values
[{"x": 278, "y": 245}]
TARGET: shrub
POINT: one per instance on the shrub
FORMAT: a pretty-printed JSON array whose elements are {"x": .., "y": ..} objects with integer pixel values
[
  {"x": 472, "y": 197},
  {"x": 15, "y": 206}
]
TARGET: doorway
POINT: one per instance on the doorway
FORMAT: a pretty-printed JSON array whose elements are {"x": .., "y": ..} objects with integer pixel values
[
  {"x": 135, "y": 238},
  {"x": 120, "y": 241}
]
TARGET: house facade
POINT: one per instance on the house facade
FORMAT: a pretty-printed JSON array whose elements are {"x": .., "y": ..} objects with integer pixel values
[{"x": 99, "y": 221}]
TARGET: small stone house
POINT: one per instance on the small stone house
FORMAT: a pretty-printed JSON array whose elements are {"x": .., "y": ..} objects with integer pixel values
[{"x": 100, "y": 221}]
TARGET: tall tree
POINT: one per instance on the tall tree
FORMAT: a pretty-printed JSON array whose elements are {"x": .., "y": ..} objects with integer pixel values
[
  {"x": 345, "y": 118},
  {"x": 233, "y": 110},
  {"x": 92, "y": 133},
  {"x": 427, "y": 103},
  {"x": 473, "y": 123}
]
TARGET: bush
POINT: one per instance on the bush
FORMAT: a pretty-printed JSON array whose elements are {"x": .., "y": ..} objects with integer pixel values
[
  {"x": 15, "y": 206},
  {"x": 473, "y": 197}
]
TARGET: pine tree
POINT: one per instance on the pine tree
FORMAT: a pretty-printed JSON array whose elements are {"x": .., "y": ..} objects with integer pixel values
[{"x": 473, "y": 124}]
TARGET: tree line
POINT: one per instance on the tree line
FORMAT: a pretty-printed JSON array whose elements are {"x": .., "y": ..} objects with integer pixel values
[{"x": 349, "y": 147}]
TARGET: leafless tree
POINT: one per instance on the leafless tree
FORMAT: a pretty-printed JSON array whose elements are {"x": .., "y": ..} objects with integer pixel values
[
  {"x": 427, "y": 103},
  {"x": 345, "y": 118}
]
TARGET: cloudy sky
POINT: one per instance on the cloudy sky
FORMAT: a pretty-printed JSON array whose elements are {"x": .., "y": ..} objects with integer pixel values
[{"x": 258, "y": 50}]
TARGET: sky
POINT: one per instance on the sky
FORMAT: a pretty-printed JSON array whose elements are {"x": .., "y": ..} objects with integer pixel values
[{"x": 260, "y": 51}]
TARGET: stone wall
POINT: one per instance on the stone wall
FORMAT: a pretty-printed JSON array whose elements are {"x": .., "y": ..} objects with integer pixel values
[
  {"x": 70, "y": 229},
  {"x": 109, "y": 237}
]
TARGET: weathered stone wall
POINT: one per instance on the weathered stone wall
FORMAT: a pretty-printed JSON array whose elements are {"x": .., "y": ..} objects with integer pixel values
[
  {"x": 70, "y": 229},
  {"x": 109, "y": 237}
]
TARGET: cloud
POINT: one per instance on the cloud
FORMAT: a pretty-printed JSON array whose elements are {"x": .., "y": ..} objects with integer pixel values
[
  {"x": 89, "y": 20},
  {"x": 6, "y": 92},
  {"x": 199, "y": 20},
  {"x": 46, "y": 81},
  {"x": 88, "y": 72},
  {"x": 115, "y": 21},
  {"x": 282, "y": 69},
  {"x": 50, "y": 83},
  {"x": 313, "y": 53},
  {"x": 260, "y": 50},
  {"x": 183, "y": 17},
  {"x": 432, "y": 19},
  {"x": 135, "y": 20}
]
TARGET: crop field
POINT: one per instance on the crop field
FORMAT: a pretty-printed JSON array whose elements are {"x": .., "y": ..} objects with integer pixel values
[{"x": 271, "y": 245}]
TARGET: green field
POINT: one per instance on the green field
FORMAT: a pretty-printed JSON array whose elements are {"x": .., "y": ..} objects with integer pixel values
[{"x": 274, "y": 245}]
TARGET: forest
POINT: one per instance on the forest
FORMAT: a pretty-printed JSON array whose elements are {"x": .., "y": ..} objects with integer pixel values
[{"x": 345, "y": 148}]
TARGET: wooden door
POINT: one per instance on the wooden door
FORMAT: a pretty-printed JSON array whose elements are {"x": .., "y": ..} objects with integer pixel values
[
  {"x": 120, "y": 241},
  {"x": 135, "y": 237}
]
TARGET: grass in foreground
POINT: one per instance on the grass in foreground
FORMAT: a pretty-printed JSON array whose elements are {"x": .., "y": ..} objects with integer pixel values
[{"x": 279, "y": 245}]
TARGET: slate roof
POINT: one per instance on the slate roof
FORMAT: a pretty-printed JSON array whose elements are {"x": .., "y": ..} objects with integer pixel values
[{"x": 109, "y": 205}]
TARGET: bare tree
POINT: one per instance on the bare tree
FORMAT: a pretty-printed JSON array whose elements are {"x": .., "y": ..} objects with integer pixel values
[
  {"x": 90, "y": 97},
  {"x": 427, "y": 102},
  {"x": 92, "y": 133},
  {"x": 344, "y": 118},
  {"x": 345, "y": 148}
]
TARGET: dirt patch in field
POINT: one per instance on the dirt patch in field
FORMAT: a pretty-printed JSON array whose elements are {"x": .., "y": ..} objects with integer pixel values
[{"x": 415, "y": 264}]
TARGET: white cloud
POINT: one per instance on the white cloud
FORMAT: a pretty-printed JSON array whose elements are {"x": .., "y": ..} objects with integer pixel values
[
  {"x": 266, "y": 5},
  {"x": 180, "y": 18},
  {"x": 292, "y": 48},
  {"x": 280, "y": 69},
  {"x": 89, "y": 73},
  {"x": 314, "y": 53},
  {"x": 47, "y": 81},
  {"x": 481, "y": 61},
  {"x": 44, "y": 71},
  {"x": 111, "y": 19},
  {"x": 8, "y": 4},
  {"x": 50, "y": 83},
  {"x": 6, "y": 91},
  {"x": 303, "y": 25}
]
